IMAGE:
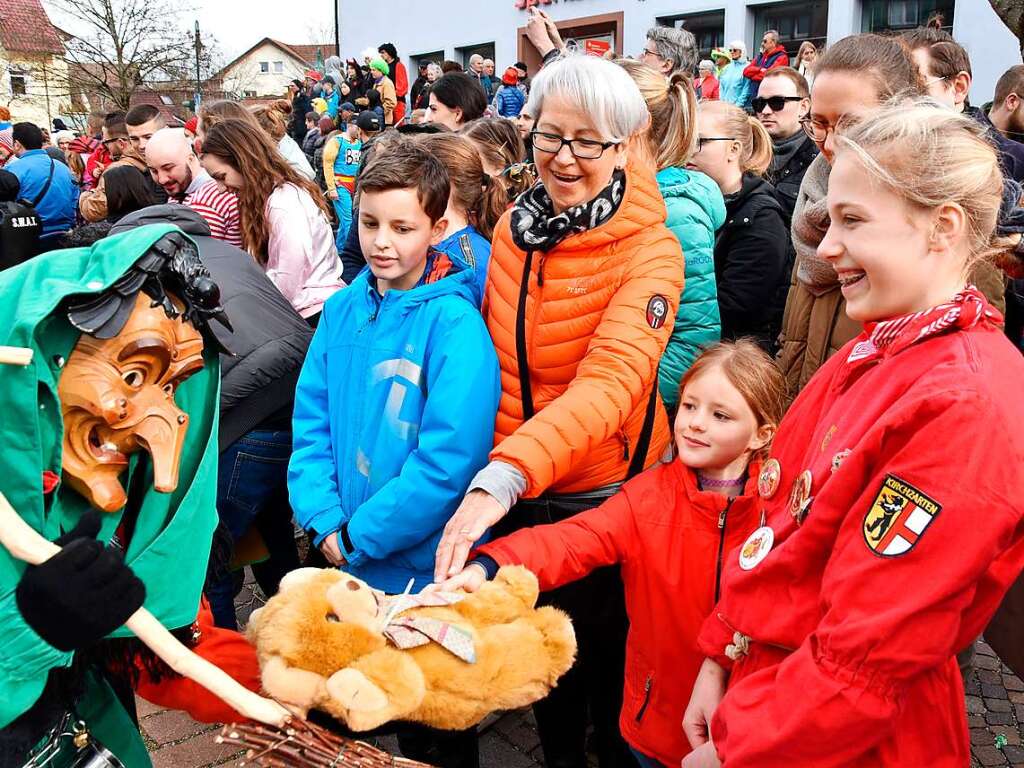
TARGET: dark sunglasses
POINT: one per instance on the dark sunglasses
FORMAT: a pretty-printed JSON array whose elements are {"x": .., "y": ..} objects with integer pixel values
[{"x": 777, "y": 103}]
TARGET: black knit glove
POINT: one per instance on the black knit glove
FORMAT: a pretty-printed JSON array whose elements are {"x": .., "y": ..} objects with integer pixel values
[{"x": 81, "y": 594}]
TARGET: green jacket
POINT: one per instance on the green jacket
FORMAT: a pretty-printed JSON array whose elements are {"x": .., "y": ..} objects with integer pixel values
[
  {"x": 170, "y": 546},
  {"x": 695, "y": 210}
]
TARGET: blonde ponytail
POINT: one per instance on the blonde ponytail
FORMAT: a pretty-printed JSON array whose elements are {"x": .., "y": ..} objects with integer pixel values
[
  {"x": 760, "y": 150},
  {"x": 757, "y": 150},
  {"x": 672, "y": 103}
]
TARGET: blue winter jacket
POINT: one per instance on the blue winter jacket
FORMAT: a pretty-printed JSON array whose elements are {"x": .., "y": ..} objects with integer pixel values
[
  {"x": 472, "y": 249},
  {"x": 57, "y": 208},
  {"x": 394, "y": 414},
  {"x": 333, "y": 102},
  {"x": 695, "y": 210},
  {"x": 509, "y": 100},
  {"x": 734, "y": 87}
]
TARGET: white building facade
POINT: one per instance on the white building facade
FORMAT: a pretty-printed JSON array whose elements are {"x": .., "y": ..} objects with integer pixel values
[{"x": 455, "y": 29}]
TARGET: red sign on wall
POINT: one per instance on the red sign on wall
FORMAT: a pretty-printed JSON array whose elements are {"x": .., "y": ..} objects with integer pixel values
[{"x": 596, "y": 47}]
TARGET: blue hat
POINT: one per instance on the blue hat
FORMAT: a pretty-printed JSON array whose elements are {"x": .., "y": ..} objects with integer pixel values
[{"x": 348, "y": 106}]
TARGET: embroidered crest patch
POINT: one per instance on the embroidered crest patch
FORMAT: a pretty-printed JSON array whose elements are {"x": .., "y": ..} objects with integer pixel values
[
  {"x": 898, "y": 517},
  {"x": 657, "y": 311}
]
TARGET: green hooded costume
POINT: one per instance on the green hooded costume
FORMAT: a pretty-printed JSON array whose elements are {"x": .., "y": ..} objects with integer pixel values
[{"x": 170, "y": 543}]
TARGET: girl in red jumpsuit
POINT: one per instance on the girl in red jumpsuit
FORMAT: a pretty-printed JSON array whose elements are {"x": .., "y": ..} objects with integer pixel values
[
  {"x": 670, "y": 528},
  {"x": 896, "y": 521}
]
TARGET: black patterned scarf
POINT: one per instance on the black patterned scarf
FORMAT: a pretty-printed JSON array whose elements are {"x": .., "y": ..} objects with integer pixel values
[{"x": 536, "y": 227}]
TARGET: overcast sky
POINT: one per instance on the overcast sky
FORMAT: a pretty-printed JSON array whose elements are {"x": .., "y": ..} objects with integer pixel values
[{"x": 238, "y": 24}]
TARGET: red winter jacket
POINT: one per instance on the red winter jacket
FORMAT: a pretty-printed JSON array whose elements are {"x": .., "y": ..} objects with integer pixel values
[
  {"x": 914, "y": 530},
  {"x": 670, "y": 538},
  {"x": 777, "y": 58},
  {"x": 224, "y": 648}
]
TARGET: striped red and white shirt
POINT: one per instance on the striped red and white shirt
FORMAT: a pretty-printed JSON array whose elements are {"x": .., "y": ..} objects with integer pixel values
[{"x": 220, "y": 210}]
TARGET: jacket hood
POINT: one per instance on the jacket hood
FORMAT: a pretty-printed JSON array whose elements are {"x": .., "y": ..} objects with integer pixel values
[
  {"x": 460, "y": 281},
  {"x": 181, "y": 216},
  {"x": 695, "y": 186},
  {"x": 642, "y": 207}
]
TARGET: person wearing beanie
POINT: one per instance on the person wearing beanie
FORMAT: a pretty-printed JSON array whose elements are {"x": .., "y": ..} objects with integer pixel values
[
  {"x": 510, "y": 97},
  {"x": 300, "y": 106},
  {"x": 383, "y": 84},
  {"x": 399, "y": 76},
  {"x": 190, "y": 127},
  {"x": 331, "y": 96}
]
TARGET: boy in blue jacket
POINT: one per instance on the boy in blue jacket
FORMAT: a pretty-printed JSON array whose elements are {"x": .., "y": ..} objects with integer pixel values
[{"x": 395, "y": 404}]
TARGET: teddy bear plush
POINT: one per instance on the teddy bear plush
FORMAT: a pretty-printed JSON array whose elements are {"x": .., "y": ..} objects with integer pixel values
[{"x": 328, "y": 641}]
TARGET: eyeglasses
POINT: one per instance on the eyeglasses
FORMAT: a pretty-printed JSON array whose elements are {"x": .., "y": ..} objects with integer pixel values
[
  {"x": 109, "y": 141},
  {"x": 819, "y": 131},
  {"x": 648, "y": 52},
  {"x": 777, "y": 103},
  {"x": 932, "y": 80},
  {"x": 705, "y": 139},
  {"x": 584, "y": 149}
]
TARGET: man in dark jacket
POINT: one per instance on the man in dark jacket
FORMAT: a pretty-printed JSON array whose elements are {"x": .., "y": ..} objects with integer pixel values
[
  {"x": 301, "y": 106},
  {"x": 268, "y": 342},
  {"x": 781, "y": 103}
]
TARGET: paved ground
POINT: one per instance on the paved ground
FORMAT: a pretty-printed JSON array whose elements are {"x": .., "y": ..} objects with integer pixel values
[{"x": 995, "y": 713}]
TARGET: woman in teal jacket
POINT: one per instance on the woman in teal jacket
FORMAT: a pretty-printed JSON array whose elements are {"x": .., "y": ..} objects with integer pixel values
[{"x": 695, "y": 210}]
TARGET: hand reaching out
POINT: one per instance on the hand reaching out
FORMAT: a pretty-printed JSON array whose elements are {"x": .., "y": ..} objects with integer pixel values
[{"x": 477, "y": 512}]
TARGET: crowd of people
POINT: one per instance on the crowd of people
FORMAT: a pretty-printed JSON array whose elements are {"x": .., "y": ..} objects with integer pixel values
[{"x": 712, "y": 337}]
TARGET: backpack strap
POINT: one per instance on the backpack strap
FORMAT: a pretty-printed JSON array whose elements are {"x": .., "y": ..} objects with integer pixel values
[
  {"x": 643, "y": 443},
  {"x": 46, "y": 187}
]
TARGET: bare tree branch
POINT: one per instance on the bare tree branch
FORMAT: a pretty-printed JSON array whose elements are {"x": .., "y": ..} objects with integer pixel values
[{"x": 118, "y": 45}]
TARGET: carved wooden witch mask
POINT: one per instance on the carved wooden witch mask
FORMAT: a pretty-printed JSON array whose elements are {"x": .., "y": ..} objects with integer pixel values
[{"x": 117, "y": 397}]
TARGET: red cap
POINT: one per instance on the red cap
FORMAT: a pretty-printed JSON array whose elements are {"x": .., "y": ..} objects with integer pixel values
[
  {"x": 313, "y": 75},
  {"x": 191, "y": 124},
  {"x": 511, "y": 76}
]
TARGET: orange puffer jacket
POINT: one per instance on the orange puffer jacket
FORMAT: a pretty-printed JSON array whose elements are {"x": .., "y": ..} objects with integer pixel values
[{"x": 580, "y": 329}]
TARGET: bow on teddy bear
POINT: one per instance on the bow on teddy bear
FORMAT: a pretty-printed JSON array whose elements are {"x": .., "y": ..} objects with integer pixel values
[{"x": 329, "y": 641}]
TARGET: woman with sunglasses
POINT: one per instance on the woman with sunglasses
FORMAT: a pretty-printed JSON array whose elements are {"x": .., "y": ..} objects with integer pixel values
[
  {"x": 581, "y": 298},
  {"x": 735, "y": 88},
  {"x": 752, "y": 247}
]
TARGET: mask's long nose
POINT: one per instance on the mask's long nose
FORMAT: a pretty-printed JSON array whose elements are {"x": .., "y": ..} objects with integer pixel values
[{"x": 162, "y": 433}]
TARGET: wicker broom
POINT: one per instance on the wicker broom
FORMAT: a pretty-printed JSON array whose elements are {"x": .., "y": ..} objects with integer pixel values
[{"x": 301, "y": 744}]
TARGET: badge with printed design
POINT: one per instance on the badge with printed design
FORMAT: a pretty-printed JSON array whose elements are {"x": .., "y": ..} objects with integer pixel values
[
  {"x": 898, "y": 517},
  {"x": 838, "y": 459},
  {"x": 800, "y": 496},
  {"x": 756, "y": 547},
  {"x": 657, "y": 311},
  {"x": 768, "y": 480}
]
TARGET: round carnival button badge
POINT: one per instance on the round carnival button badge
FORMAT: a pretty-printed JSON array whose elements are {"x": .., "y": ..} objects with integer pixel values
[
  {"x": 756, "y": 547},
  {"x": 800, "y": 496},
  {"x": 768, "y": 480}
]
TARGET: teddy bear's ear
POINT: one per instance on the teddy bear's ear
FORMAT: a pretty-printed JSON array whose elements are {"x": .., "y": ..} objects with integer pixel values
[
  {"x": 298, "y": 578},
  {"x": 353, "y": 601}
]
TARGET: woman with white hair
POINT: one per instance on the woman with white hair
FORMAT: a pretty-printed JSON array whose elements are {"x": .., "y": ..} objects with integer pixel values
[
  {"x": 582, "y": 294},
  {"x": 733, "y": 86},
  {"x": 706, "y": 84}
]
